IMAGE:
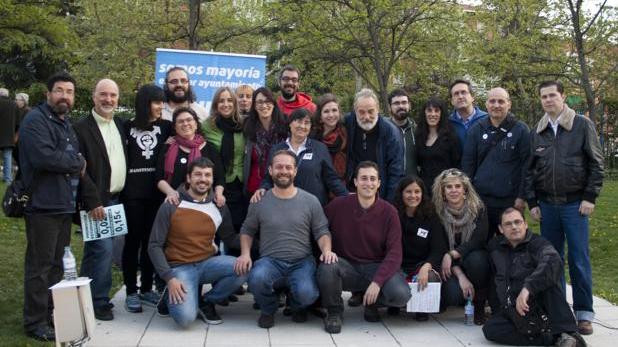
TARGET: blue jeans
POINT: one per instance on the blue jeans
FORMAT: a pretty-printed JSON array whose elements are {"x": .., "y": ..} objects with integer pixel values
[
  {"x": 7, "y": 166},
  {"x": 564, "y": 221},
  {"x": 97, "y": 265},
  {"x": 269, "y": 274},
  {"x": 218, "y": 270}
]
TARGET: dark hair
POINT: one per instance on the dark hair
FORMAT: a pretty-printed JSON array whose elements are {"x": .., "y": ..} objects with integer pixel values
[
  {"x": 317, "y": 128},
  {"x": 511, "y": 210},
  {"x": 289, "y": 67},
  {"x": 202, "y": 163},
  {"x": 425, "y": 208},
  {"x": 61, "y": 76},
  {"x": 397, "y": 92},
  {"x": 145, "y": 96},
  {"x": 364, "y": 165},
  {"x": 300, "y": 113},
  {"x": 558, "y": 84},
  {"x": 252, "y": 121},
  {"x": 284, "y": 152},
  {"x": 190, "y": 94},
  {"x": 189, "y": 110},
  {"x": 459, "y": 81},
  {"x": 444, "y": 126}
]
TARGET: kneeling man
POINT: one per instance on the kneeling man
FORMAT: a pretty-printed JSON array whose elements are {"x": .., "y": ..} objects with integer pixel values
[
  {"x": 527, "y": 271},
  {"x": 367, "y": 235},
  {"x": 182, "y": 248},
  {"x": 286, "y": 217}
]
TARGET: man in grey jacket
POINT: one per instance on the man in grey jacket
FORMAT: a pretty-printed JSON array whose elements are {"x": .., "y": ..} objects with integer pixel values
[{"x": 565, "y": 175}]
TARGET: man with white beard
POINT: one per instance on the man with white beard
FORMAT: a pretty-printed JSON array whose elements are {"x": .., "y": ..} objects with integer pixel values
[{"x": 371, "y": 137}]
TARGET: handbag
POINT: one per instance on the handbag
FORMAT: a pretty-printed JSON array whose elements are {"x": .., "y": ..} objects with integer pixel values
[
  {"x": 534, "y": 323},
  {"x": 15, "y": 199}
]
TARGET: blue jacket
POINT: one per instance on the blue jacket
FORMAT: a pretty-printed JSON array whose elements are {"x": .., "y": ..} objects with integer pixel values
[
  {"x": 390, "y": 154},
  {"x": 315, "y": 175},
  {"x": 459, "y": 126},
  {"x": 50, "y": 163},
  {"x": 499, "y": 176}
]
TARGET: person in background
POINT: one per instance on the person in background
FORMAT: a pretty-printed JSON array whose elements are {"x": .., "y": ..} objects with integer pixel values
[
  {"x": 423, "y": 238},
  {"x": 437, "y": 145},
  {"x": 399, "y": 108},
  {"x": 179, "y": 93},
  {"x": 146, "y": 134},
  {"x": 328, "y": 128},
  {"x": 464, "y": 114},
  {"x": 8, "y": 124},
  {"x": 244, "y": 95},
  {"x": 465, "y": 265},
  {"x": 291, "y": 99}
]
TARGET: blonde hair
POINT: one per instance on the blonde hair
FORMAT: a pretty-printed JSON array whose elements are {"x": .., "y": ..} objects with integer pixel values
[
  {"x": 474, "y": 202},
  {"x": 244, "y": 88},
  {"x": 214, "y": 114}
]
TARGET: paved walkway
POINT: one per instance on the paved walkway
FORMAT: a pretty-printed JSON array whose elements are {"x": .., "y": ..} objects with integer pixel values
[{"x": 240, "y": 329}]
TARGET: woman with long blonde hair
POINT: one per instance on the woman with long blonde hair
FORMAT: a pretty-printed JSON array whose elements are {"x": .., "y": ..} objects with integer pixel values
[{"x": 465, "y": 266}]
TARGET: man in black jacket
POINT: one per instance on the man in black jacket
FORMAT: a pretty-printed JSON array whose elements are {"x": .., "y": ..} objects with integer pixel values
[
  {"x": 51, "y": 166},
  {"x": 103, "y": 144},
  {"x": 8, "y": 124},
  {"x": 527, "y": 271},
  {"x": 564, "y": 177}
]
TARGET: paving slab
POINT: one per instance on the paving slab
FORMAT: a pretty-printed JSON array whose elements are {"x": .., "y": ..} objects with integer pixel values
[{"x": 239, "y": 329}]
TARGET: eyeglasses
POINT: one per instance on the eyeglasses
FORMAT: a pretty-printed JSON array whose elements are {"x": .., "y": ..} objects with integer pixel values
[
  {"x": 289, "y": 79},
  {"x": 176, "y": 81},
  {"x": 265, "y": 103},
  {"x": 515, "y": 223}
]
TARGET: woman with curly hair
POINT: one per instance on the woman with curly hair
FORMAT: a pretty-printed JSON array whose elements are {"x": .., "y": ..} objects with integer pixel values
[{"x": 465, "y": 265}]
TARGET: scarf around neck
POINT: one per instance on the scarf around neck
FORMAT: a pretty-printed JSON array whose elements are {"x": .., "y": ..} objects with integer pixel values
[
  {"x": 335, "y": 140},
  {"x": 458, "y": 221},
  {"x": 229, "y": 127},
  {"x": 172, "y": 153}
]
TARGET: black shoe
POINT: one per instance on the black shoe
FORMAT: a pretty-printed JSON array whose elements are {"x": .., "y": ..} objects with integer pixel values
[
  {"x": 421, "y": 316},
  {"x": 240, "y": 291},
  {"x": 333, "y": 323},
  {"x": 266, "y": 321},
  {"x": 232, "y": 298},
  {"x": 355, "y": 300},
  {"x": 209, "y": 314},
  {"x": 42, "y": 333},
  {"x": 287, "y": 311},
  {"x": 162, "y": 309},
  {"x": 392, "y": 311},
  {"x": 299, "y": 316},
  {"x": 224, "y": 302},
  {"x": 371, "y": 313},
  {"x": 256, "y": 306},
  {"x": 104, "y": 312}
]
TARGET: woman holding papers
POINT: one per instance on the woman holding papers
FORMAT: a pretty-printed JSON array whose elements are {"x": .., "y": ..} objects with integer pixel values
[
  {"x": 465, "y": 266},
  {"x": 146, "y": 134},
  {"x": 423, "y": 238}
]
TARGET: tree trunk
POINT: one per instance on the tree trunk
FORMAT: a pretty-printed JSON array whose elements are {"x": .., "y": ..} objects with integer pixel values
[
  {"x": 578, "y": 38},
  {"x": 194, "y": 20}
]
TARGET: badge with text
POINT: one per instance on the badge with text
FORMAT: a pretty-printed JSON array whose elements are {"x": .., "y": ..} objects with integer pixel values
[
  {"x": 114, "y": 224},
  {"x": 307, "y": 156},
  {"x": 422, "y": 233}
]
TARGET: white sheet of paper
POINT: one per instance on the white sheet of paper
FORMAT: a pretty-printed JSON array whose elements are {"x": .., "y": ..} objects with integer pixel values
[
  {"x": 114, "y": 224},
  {"x": 427, "y": 300}
]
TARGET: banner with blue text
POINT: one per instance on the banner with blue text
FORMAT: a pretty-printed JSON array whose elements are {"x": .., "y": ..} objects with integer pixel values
[{"x": 209, "y": 71}]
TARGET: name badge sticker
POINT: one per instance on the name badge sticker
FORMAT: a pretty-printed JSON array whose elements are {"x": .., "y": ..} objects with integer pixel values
[
  {"x": 422, "y": 233},
  {"x": 307, "y": 156}
]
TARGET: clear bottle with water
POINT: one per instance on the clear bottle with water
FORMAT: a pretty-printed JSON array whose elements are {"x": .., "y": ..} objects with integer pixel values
[
  {"x": 469, "y": 312},
  {"x": 69, "y": 263}
]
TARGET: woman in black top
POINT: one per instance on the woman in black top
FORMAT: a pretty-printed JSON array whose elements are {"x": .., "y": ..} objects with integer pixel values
[
  {"x": 465, "y": 266},
  {"x": 147, "y": 133},
  {"x": 437, "y": 145},
  {"x": 423, "y": 238},
  {"x": 188, "y": 144}
]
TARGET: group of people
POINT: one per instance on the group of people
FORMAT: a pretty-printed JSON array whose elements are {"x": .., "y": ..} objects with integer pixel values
[{"x": 299, "y": 201}]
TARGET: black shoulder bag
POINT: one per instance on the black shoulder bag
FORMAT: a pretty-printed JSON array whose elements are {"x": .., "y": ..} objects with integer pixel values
[{"x": 16, "y": 198}]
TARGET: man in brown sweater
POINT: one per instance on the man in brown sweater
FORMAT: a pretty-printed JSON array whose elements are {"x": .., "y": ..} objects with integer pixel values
[{"x": 182, "y": 249}]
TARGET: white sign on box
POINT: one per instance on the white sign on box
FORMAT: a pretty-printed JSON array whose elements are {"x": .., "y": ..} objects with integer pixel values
[
  {"x": 427, "y": 300},
  {"x": 114, "y": 224}
]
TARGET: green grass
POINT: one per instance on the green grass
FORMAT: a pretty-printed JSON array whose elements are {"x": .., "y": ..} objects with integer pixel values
[{"x": 603, "y": 244}]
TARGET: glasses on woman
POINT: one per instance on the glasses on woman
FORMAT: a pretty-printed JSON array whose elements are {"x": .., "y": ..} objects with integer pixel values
[{"x": 265, "y": 103}]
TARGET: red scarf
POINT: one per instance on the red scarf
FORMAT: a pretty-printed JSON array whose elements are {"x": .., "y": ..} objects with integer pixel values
[{"x": 172, "y": 153}]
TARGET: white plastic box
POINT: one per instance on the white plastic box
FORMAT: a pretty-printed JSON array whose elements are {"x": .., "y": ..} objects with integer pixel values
[{"x": 73, "y": 310}]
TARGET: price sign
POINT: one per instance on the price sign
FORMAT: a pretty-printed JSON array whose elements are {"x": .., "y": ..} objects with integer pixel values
[{"x": 114, "y": 224}]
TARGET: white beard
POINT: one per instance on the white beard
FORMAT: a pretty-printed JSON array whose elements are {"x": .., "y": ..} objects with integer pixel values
[{"x": 367, "y": 126}]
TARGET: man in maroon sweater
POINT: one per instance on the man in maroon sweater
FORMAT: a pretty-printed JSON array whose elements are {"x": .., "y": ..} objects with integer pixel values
[{"x": 366, "y": 236}]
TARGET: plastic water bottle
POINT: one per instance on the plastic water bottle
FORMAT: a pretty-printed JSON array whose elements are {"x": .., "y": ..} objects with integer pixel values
[
  {"x": 469, "y": 313},
  {"x": 68, "y": 261}
]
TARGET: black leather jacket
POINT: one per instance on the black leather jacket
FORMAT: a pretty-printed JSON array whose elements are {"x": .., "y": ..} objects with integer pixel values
[{"x": 567, "y": 167}]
